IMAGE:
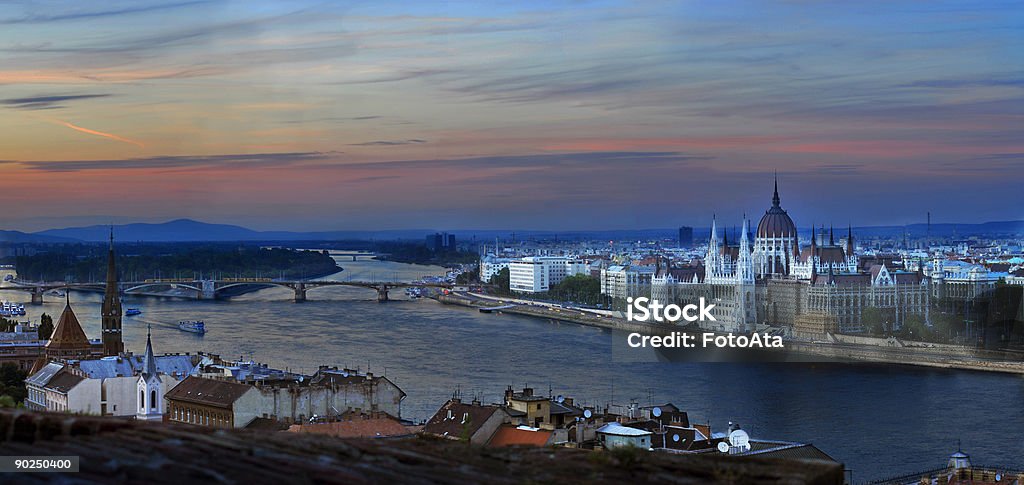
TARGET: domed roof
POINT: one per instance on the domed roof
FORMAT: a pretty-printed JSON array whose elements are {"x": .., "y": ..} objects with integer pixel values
[{"x": 776, "y": 222}]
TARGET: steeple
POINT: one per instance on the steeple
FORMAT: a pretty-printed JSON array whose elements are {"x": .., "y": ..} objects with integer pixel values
[
  {"x": 149, "y": 388},
  {"x": 111, "y": 313},
  {"x": 148, "y": 359},
  {"x": 831, "y": 236},
  {"x": 849, "y": 241},
  {"x": 775, "y": 196}
]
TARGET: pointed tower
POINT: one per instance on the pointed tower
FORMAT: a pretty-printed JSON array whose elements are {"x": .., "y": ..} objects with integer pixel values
[
  {"x": 744, "y": 261},
  {"x": 68, "y": 340},
  {"x": 712, "y": 258},
  {"x": 831, "y": 236},
  {"x": 111, "y": 313},
  {"x": 812, "y": 258},
  {"x": 150, "y": 406},
  {"x": 849, "y": 240},
  {"x": 746, "y": 313}
]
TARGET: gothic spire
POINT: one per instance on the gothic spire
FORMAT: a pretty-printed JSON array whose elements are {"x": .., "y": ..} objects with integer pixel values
[
  {"x": 831, "y": 236},
  {"x": 849, "y": 240},
  {"x": 149, "y": 360},
  {"x": 775, "y": 196},
  {"x": 111, "y": 312}
]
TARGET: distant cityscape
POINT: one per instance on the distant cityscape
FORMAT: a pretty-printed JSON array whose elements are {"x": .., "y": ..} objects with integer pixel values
[{"x": 928, "y": 297}]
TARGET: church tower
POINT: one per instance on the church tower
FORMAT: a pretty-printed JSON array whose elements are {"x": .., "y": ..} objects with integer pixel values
[
  {"x": 111, "y": 313},
  {"x": 150, "y": 405}
]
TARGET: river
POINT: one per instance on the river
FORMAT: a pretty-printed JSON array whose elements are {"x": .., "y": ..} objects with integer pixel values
[{"x": 880, "y": 420}]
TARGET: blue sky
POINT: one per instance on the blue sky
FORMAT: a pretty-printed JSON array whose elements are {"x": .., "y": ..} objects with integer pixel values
[{"x": 545, "y": 115}]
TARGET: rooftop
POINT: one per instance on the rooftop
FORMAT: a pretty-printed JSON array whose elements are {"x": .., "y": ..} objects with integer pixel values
[{"x": 122, "y": 451}]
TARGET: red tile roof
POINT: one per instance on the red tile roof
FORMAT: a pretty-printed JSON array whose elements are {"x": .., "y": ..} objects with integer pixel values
[
  {"x": 515, "y": 436},
  {"x": 355, "y": 428}
]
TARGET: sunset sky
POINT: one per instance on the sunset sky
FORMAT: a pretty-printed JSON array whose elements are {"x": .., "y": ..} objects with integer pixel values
[{"x": 503, "y": 115}]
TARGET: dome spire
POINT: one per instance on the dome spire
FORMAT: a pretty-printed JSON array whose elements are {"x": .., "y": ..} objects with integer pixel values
[{"x": 775, "y": 196}]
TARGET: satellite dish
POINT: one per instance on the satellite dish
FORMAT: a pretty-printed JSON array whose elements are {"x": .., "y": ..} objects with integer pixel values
[
  {"x": 344, "y": 374},
  {"x": 656, "y": 412},
  {"x": 300, "y": 378},
  {"x": 740, "y": 439},
  {"x": 723, "y": 447},
  {"x": 587, "y": 414},
  {"x": 560, "y": 399}
]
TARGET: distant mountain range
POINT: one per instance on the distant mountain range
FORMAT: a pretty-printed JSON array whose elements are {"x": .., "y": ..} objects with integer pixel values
[
  {"x": 181, "y": 230},
  {"x": 22, "y": 237}
]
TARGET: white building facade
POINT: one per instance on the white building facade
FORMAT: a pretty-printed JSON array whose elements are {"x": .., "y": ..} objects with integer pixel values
[{"x": 537, "y": 274}]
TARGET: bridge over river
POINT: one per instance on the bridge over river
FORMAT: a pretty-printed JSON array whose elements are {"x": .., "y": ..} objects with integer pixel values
[{"x": 212, "y": 289}]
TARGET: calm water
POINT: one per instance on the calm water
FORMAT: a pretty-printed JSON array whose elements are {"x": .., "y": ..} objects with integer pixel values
[{"x": 879, "y": 420}]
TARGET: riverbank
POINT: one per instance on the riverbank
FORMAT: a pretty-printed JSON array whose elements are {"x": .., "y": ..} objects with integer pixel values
[{"x": 941, "y": 357}]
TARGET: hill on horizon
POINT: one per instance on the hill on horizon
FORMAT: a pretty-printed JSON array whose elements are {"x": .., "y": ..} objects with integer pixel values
[{"x": 188, "y": 230}]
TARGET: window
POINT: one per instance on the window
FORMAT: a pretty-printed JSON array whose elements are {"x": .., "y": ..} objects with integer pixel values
[
  {"x": 152, "y": 399},
  {"x": 142, "y": 400}
]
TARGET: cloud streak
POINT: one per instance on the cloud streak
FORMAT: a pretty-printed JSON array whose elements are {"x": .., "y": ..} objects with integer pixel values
[
  {"x": 46, "y": 102},
  {"x": 170, "y": 162},
  {"x": 87, "y": 15},
  {"x": 388, "y": 143},
  {"x": 100, "y": 133}
]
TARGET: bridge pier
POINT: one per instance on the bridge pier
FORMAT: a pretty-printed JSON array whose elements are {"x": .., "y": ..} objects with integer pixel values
[
  {"x": 382, "y": 293},
  {"x": 208, "y": 290},
  {"x": 300, "y": 293},
  {"x": 37, "y": 296}
]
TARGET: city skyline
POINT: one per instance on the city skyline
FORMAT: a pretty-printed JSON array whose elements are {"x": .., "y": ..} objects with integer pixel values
[{"x": 566, "y": 117}]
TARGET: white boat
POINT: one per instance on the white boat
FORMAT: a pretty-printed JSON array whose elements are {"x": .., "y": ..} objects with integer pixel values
[
  {"x": 194, "y": 326},
  {"x": 8, "y": 309}
]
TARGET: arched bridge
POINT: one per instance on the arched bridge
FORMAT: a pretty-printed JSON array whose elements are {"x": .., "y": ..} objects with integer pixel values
[{"x": 217, "y": 289}]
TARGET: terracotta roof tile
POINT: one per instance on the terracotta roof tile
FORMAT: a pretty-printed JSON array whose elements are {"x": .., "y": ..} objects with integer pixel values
[{"x": 517, "y": 436}]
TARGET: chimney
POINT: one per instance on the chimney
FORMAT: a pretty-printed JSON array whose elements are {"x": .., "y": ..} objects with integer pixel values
[{"x": 527, "y": 391}]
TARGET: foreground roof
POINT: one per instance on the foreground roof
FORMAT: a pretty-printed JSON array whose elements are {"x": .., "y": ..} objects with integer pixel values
[
  {"x": 620, "y": 430},
  {"x": 42, "y": 376},
  {"x": 520, "y": 436},
  {"x": 122, "y": 451},
  {"x": 211, "y": 392},
  {"x": 108, "y": 367},
  {"x": 456, "y": 419}
]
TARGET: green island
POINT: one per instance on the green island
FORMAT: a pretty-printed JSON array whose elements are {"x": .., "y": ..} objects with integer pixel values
[{"x": 85, "y": 262}]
